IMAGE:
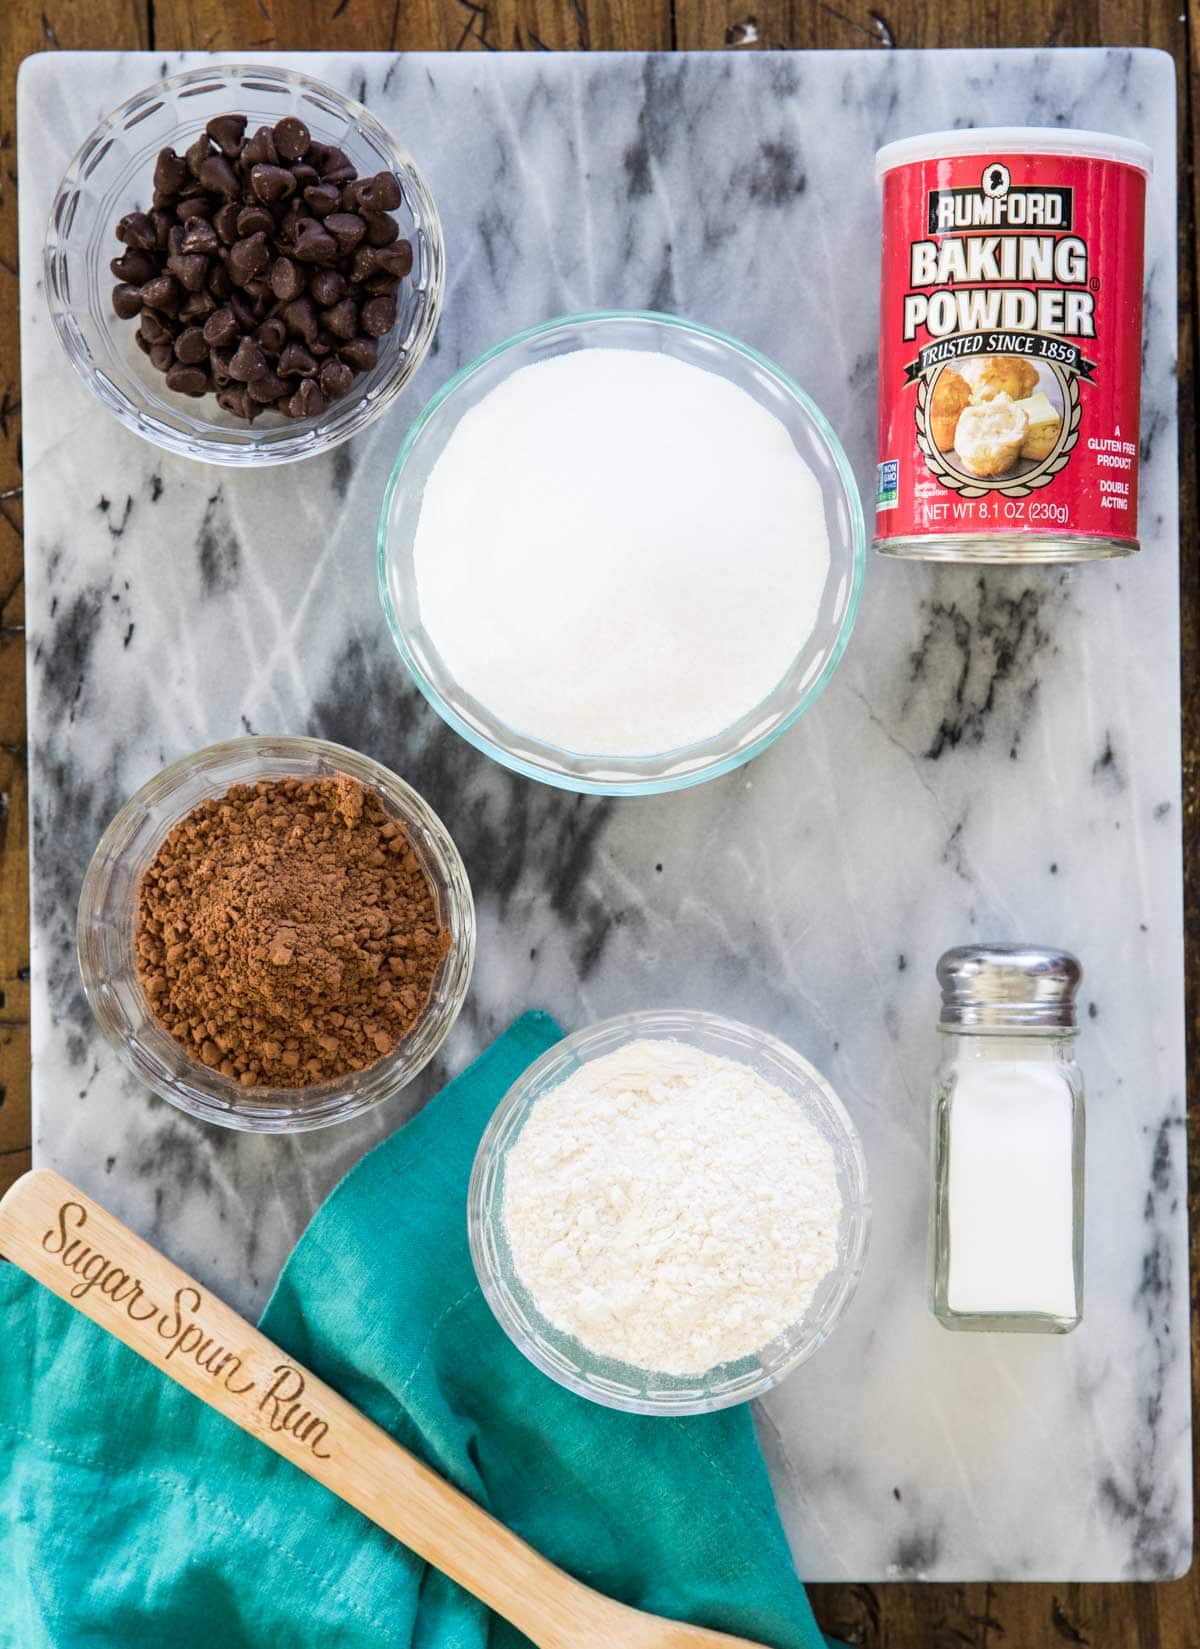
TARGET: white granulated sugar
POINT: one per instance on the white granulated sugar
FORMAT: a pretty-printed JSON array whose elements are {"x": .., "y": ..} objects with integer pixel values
[
  {"x": 619, "y": 553},
  {"x": 671, "y": 1209}
]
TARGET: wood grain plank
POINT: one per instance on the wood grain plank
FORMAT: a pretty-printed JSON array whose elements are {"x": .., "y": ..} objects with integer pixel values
[
  {"x": 870, "y": 1617},
  {"x": 815, "y": 25},
  {"x": 412, "y": 25}
]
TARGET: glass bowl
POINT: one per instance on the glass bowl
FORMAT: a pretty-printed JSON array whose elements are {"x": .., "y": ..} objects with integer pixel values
[
  {"x": 617, "y": 1385},
  {"x": 106, "y": 933},
  {"x": 598, "y": 774},
  {"x": 112, "y": 175}
]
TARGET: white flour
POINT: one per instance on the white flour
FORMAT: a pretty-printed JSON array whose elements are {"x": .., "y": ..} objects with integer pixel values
[
  {"x": 619, "y": 553},
  {"x": 671, "y": 1209}
]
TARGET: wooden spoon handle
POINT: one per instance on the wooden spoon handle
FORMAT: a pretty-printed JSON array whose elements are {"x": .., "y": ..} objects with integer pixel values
[{"x": 77, "y": 1249}]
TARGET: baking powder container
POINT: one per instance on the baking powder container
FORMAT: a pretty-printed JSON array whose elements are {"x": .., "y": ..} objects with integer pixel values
[{"x": 1010, "y": 345}]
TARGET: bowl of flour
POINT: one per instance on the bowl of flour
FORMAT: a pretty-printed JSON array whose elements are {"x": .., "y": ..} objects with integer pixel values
[
  {"x": 668, "y": 1212},
  {"x": 621, "y": 553}
]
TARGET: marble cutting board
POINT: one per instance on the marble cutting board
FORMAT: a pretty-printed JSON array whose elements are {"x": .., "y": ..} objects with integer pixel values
[{"x": 997, "y": 756}]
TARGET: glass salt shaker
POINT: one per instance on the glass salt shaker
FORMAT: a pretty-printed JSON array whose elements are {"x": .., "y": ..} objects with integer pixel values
[{"x": 1008, "y": 1136}]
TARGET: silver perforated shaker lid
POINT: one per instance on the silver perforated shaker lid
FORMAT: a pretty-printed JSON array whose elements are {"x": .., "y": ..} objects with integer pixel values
[{"x": 1008, "y": 987}]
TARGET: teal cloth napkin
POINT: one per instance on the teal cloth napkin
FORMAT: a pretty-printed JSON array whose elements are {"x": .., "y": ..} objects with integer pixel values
[{"x": 132, "y": 1515}]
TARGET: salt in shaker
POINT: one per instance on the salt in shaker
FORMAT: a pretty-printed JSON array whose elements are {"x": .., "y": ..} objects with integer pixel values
[{"x": 1008, "y": 1138}]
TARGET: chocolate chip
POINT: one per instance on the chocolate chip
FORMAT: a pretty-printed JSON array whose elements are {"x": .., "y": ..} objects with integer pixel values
[
  {"x": 380, "y": 193},
  {"x": 335, "y": 166},
  {"x": 193, "y": 207},
  {"x": 248, "y": 362},
  {"x": 197, "y": 307},
  {"x": 297, "y": 223},
  {"x": 342, "y": 319},
  {"x": 187, "y": 380},
  {"x": 296, "y": 362},
  {"x": 272, "y": 335},
  {"x": 170, "y": 171},
  {"x": 327, "y": 287},
  {"x": 234, "y": 399},
  {"x": 162, "y": 355},
  {"x": 396, "y": 261},
  {"x": 219, "y": 176},
  {"x": 175, "y": 236},
  {"x": 271, "y": 183},
  {"x": 162, "y": 293},
  {"x": 267, "y": 388},
  {"x": 243, "y": 311},
  {"x": 259, "y": 150},
  {"x": 138, "y": 230},
  {"x": 382, "y": 230},
  {"x": 292, "y": 138},
  {"x": 225, "y": 221},
  {"x": 200, "y": 236},
  {"x": 336, "y": 378},
  {"x": 254, "y": 220},
  {"x": 154, "y": 329},
  {"x": 306, "y": 176},
  {"x": 220, "y": 327},
  {"x": 301, "y": 318},
  {"x": 363, "y": 264},
  {"x": 219, "y": 283},
  {"x": 164, "y": 222},
  {"x": 196, "y": 154},
  {"x": 248, "y": 258},
  {"x": 227, "y": 132},
  {"x": 307, "y": 402},
  {"x": 126, "y": 300},
  {"x": 135, "y": 267},
  {"x": 287, "y": 279},
  {"x": 315, "y": 246},
  {"x": 360, "y": 353},
  {"x": 190, "y": 347},
  {"x": 142, "y": 343},
  {"x": 321, "y": 199},
  {"x": 379, "y": 315},
  {"x": 191, "y": 270},
  {"x": 347, "y": 228},
  {"x": 289, "y": 220}
]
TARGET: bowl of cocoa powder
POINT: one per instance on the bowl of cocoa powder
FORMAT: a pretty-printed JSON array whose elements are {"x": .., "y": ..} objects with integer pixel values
[{"x": 276, "y": 933}]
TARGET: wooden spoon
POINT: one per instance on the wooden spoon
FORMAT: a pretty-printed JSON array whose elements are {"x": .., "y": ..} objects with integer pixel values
[{"x": 78, "y": 1250}]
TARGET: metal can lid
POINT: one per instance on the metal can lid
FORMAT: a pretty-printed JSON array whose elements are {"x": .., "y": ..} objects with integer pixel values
[
  {"x": 1008, "y": 987},
  {"x": 1013, "y": 140}
]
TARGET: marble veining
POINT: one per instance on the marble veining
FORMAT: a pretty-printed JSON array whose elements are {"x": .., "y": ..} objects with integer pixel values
[{"x": 998, "y": 756}]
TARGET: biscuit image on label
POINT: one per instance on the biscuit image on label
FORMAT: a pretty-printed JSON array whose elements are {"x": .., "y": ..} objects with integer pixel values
[
  {"x": 1044, "y": 424},
  {"x": 993, "y": 375},
  {"x": 990, "y": 436},
  {"x": 951, "y": 394}
]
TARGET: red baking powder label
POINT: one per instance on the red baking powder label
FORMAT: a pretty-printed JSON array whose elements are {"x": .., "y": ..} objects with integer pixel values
[{"x": 1010, "y": 349}]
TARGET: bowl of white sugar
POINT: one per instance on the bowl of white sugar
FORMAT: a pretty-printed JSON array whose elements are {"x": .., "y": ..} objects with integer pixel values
[
  {"x": 621, "y": 553},
  {"x": 668, "y": 1212}
]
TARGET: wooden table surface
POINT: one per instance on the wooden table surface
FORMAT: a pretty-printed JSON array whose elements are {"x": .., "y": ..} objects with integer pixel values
[{"x": 876, "y": 1617}]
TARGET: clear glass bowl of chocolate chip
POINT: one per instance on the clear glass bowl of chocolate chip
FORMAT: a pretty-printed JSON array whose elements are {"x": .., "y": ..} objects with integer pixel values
[
  {"x": 244, "y": 290},
  {"x": 333, "y": 970}
]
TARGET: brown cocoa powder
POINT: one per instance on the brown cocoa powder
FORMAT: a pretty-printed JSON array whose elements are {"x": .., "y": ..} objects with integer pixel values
[{"x": 287, "y": 933}]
